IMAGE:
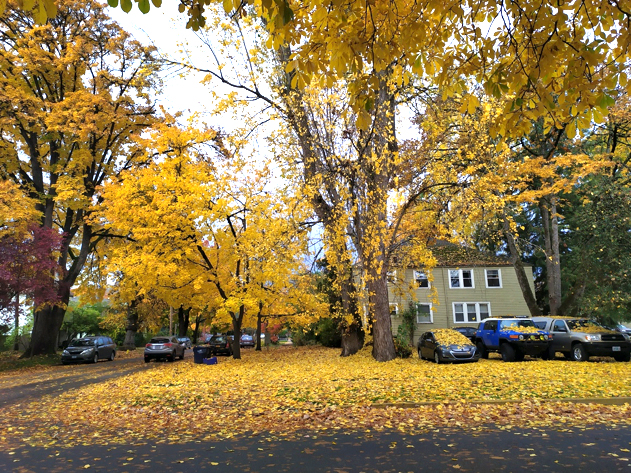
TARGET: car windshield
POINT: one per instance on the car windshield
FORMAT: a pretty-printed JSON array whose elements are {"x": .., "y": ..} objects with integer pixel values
[
  {"x": 82, "y": 343},
  {"x": 159, "y": 340},
  {"x": 584, "y": 325},
  {"x": 218, "y": 339},
  {"x": 509, "y": 324}
]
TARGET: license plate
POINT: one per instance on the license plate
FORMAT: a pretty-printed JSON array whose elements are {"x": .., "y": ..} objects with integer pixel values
[
  {"x": 74, "y": 356},
  {"x": 615, "y": 348}
]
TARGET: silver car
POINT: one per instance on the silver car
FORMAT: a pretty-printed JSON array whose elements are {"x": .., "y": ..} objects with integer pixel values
[
  {"x": 164, "y": 348},
  {"x": 578, "y": 339},
  {"x": 89, "y": 350}
]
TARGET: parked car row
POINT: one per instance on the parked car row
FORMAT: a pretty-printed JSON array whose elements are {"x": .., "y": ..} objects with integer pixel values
[{"x": 514, "y": 338}]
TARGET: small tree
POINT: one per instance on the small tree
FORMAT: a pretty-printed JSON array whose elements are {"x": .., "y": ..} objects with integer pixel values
[{"x": 27, "y": 272}]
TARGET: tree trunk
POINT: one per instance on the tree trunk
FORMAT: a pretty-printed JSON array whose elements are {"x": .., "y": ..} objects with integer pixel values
[
  {"x": 237, "y": 320},
  {"x": 183, "y": 319},
  {"x": 383, "y": 343},
  {"x": 46, "y": 326},
  {"x": 198, "y": 320},
  {"x": 16, "y": 343},
  {"x": 352, "y": 335},
  {"x": 520, "y": 271},
  {"x": 132, "y": 326},
  {"x": 553, "y": 264},
  {"x": 258, "y": 329},
  {"x": 352, "y": 340}
]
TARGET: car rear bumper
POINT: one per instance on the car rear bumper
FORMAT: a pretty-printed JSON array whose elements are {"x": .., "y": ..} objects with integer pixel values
[{"x": 158, "y": 353}]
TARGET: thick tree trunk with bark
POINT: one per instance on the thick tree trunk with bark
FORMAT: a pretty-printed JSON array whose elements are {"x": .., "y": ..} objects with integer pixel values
[
  {"x": 548, "y": 209},
  {"x": 520, "y": 271},
  {"x": 132, "y": 326},
  {"x": 183, "y": 319},
  {"x": 383, "y": 343},
  {"x": 46, "y": 325},
  {"x": 237, "y": 321}
]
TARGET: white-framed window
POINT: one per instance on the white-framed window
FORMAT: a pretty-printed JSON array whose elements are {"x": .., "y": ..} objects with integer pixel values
[
  {"x": 391, "y": 276},
  {"x": 493, "y": 278},
  {"x": 424, "y": 313},
  {"x": 394, "y": 309},
  {"x": 421, "y": 279},
  {"x": 461, "y": 278},
  {"x": 469, "y": 312}
]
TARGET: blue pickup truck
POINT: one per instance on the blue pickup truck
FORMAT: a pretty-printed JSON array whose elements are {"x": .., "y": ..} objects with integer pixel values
[{"x": 513, "y": 338}]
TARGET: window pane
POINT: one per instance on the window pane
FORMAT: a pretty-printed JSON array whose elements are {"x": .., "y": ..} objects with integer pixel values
[
  {"x": 423, "y": 314},
  {"x": 493, "y": 277},
  {"x": 392, "y": 276},
  {"x": 471, "y": 313},
  {"x": 454, "y": 278},
  {"x": 467, "y": 278},
  {"x": 421, "y": 279},
  {"x": 484, "y": 311},
  {"x": 394, "y": 309},
  {"x": 458, "y": 313}
]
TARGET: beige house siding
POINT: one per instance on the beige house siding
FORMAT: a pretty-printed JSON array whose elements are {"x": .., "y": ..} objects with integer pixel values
[{"x": 504, "y": 300}]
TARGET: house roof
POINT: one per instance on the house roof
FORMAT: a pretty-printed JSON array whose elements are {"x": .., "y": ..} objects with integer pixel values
[{"x": 448, "y": 254}]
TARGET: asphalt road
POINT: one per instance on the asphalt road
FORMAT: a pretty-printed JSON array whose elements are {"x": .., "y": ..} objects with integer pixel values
[
  {"x": 600, "y": 449},
  {"x": 24, "y": 387},
  {"x": 561, "y": 449}
]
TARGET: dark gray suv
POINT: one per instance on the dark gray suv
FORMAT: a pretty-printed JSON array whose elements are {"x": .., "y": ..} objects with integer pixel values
[
  {"x": 578, "y": 339},
  {"x": 89, "y": 350}
]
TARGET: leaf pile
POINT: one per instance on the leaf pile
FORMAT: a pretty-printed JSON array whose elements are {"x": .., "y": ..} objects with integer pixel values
[
  {"x": 448, "y": 337},
  {"x": 291, "y": 390}
]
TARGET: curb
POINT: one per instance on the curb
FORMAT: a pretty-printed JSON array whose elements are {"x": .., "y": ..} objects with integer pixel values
[{"x": 608, "y": 401}]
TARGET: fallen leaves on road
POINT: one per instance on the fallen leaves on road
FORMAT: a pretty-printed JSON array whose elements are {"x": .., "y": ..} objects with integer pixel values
[{"x": 291, "y": 390}]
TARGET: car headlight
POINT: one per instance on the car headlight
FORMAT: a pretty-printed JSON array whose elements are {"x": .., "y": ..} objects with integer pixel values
[
  {"x": 521, "y": 337},
  {"x": 592, "y": 338},
  {"x": 65, "y": 352},
  {"x": 89, "y": 350}
]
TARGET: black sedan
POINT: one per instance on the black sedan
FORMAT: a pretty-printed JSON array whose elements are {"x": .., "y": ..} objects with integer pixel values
[
  {"x": 220, "y": 345},
  {"x": 247, "y": 341},
  {"x": 446, "y": 346},
  {"x": 468, "y": 332}
]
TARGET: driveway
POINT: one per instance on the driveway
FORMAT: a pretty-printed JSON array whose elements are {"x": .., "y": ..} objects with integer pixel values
[{"x": 27, "y": 386}]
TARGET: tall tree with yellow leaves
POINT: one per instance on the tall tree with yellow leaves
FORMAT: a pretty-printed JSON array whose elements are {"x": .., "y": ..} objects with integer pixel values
[
  {"x": 74, "y": 92},
  {"x": 206, "y": 224}
]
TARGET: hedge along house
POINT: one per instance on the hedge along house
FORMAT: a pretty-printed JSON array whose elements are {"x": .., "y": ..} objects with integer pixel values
[{"x": 465, "y": 287}]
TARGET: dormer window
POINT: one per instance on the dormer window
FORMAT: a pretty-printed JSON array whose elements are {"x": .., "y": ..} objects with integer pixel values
[
  {"x": 460, "y": 278},
  {"x": 493, "y": 278}
]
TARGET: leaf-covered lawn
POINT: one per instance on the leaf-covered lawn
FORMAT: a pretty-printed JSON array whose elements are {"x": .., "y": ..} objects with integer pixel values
[{"x": 296, "y": 389}]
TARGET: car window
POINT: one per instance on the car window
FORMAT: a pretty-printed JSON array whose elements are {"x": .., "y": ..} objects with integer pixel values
[
  {"x": 490, "y": 325},
  {"x": 541, "y": 325},
  {"x": 159, "y": 340},
  {"x": 559, "y": 326},
  {"x": 508, "y": 324},
  {"x": 85, "y": 342}
]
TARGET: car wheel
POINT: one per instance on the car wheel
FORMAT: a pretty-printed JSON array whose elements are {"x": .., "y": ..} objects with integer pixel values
[
  {"x": 579, "y": 353},
  {"x": 96, "y": 358},
  {"x": 437, "y": 358},
  {"x": 482, "y": 349},
  {"x": 519, "y": 356},
  {"x": 622, "y": 357},
  {"x": 182, "y": 355},
  {"x": 507, "y": 352},
  {"x": 147, "y": 360},
  {"x": 548, "y": 354},
  {"x": 171, "y": 358},
  {"x": 420, "y": 356},
  {"x": 112, "y": 356}
]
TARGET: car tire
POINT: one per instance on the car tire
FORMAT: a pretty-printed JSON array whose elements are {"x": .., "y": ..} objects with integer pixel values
[
  {"x": 171, "y": 358},
  {"x": 507, "y": 352},
  {"x": 112, "y": 356},
  {"x": 147, "y": 359},
  {"x": 420, "y": 356},
  {"x": 622, "y": 357},
  {"x": 519, "y": 355},
  {"x": 182, "y": 355},
  {"x": 549, "y": 354},
  {"x": 579, "y": 353},
  {"x": 482, "y": 349},
  {"x": 437, "y": 358},
  {"x": 96, "y": 358}
]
